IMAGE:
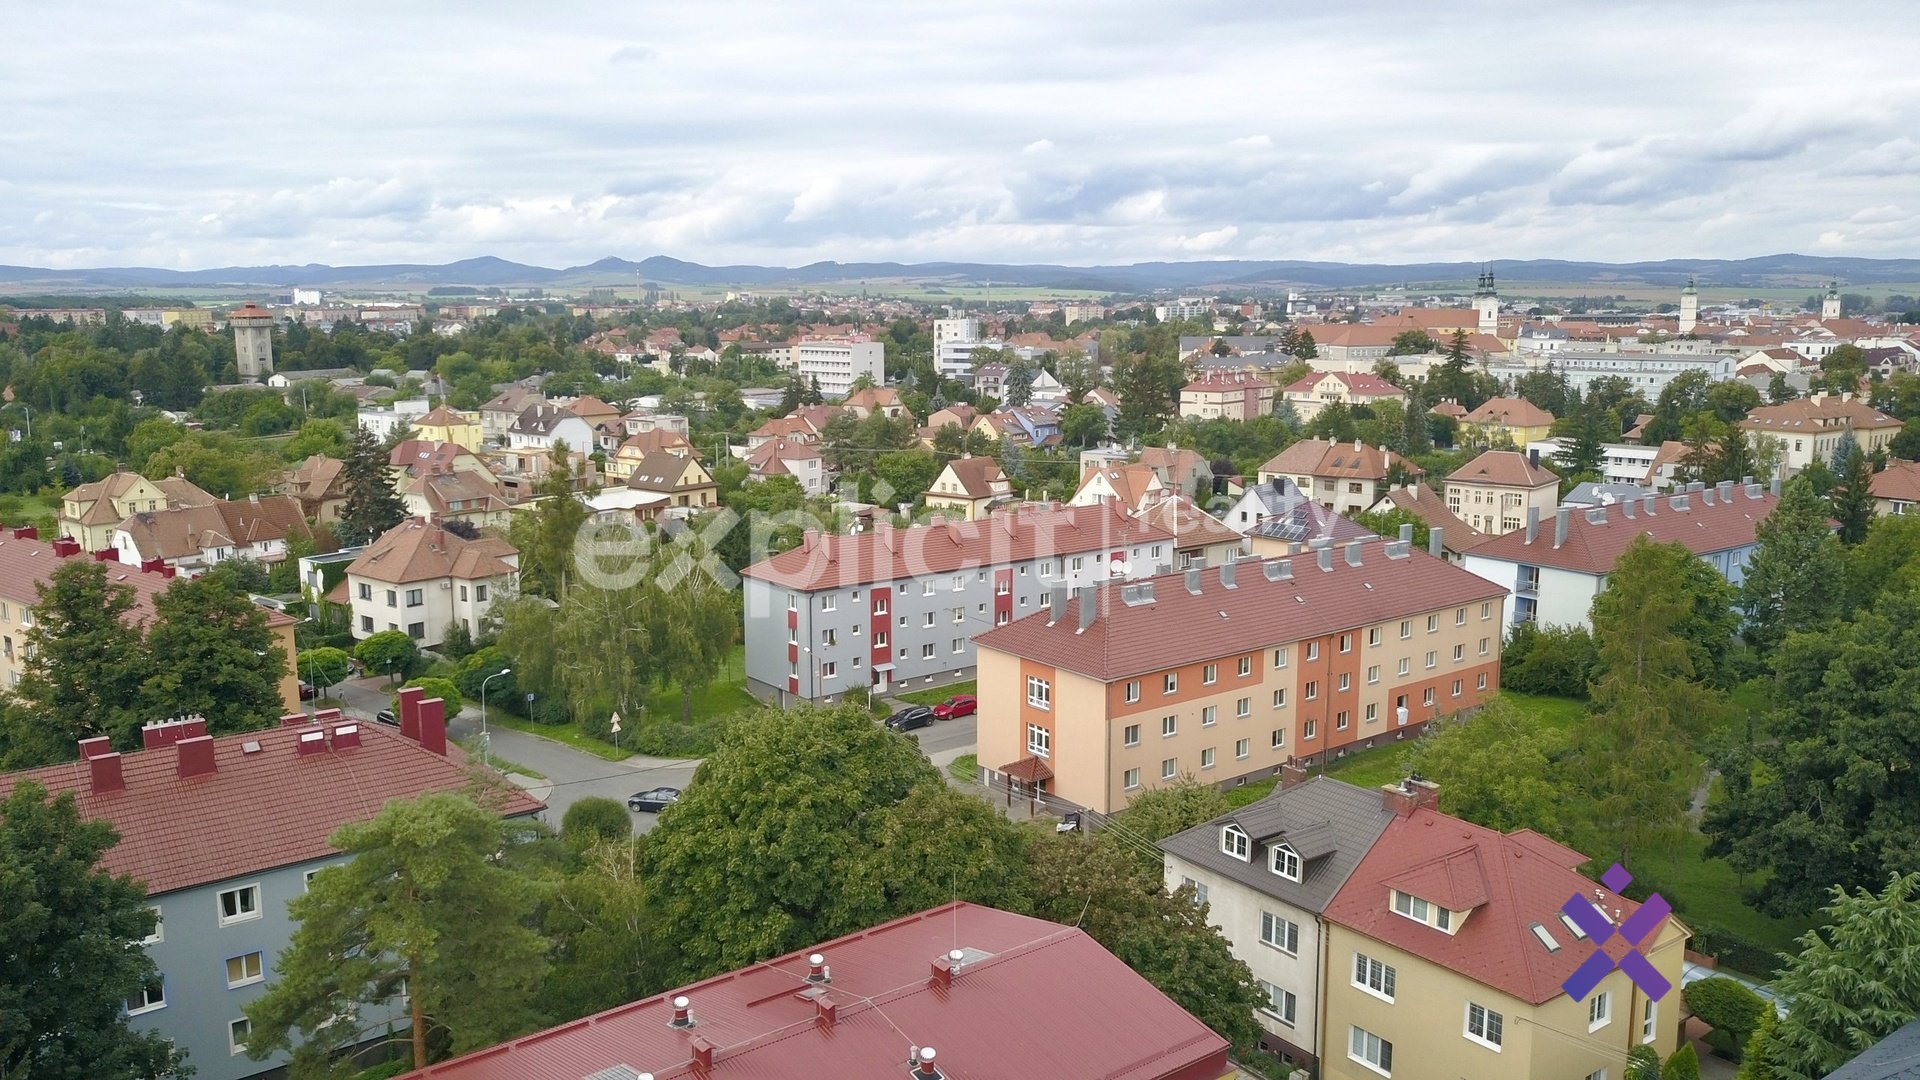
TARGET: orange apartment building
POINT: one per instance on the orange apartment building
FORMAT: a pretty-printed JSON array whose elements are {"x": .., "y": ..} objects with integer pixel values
[{"x": 1230, "y": 672}]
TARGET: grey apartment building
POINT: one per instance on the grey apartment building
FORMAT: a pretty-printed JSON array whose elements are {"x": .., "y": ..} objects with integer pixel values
[
  {"x": 225, "y": 831},
  {"x": 892, "y": 607}
]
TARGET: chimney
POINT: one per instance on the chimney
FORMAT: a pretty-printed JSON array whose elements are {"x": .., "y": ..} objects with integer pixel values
[
  {"x": 1409, "y": 795},
  {"x": 924, "y": 1069},
  {"x": 346, "y": 735},
  {"x": 1626, "y": 507},
  {"x": 1227, "y": 575},
  {"x": 1533, "y": 456},
  {"x": 1533, "y": 522},
  {"x": 1646, "y": 504},
  {"x": 1353, "y": 552},
  {"x": 311, "y": 742},
  {"x": 809, "y": 539},
  {"x": 410, "y": 712},
  {"x": 98, "y": 746},
  {"x": 682, "y": 1012},
  {"x": 1560, "y": 527},
  {"x": 294, "y": 719},
  {"x": 65, "y": 547},
  {"x": 1597, "y": 515},
  {"x": 26, "y": 532},
  {"x": 1774, "y": 486},
  {"x": 1726, "y": 490},
  {"x": 1707, "y": 497},
  {"x": 433, "y": 726},
  {"x": 104, "y": 773},
  {"x": 1406, "y": 534},
  {"x": 942, "y": 971},
  {"x": 817, "y": 969},
  {"x": 1680, "y": 502},
  {"x": 1326, "y": 558},
  {"x": 1193, "y": 582},
  {"x": 702, "y": 1051},
  {"x": 168, "y": 732},
  {"x": 195, "y": 756},
  {"x": 1291, "y": 774},
  {"x": 327, "y": 716},
  {"x": 824, "y": 1012},
  {"x": 1089, "y": 607},
  {"x": 1434, "y": 547}
]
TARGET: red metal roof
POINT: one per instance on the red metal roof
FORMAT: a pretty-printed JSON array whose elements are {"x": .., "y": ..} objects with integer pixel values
[
  {"x": 1592, "y": 547},
  {"x": 257, "y": 810},
  {"x": 1033, "y": 1000}
]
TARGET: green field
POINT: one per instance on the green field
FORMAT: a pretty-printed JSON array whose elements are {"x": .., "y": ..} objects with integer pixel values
[{"x": 16, "y": 510}]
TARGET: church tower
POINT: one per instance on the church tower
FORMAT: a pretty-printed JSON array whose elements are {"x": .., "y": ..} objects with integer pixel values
[
  {"x": 1487, "y": 304},
  {"x": 1830, "y": 307},
  {"x": 1689, "y": 307}
]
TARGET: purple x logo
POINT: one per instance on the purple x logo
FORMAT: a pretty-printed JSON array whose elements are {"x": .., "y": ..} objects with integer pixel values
[{"x": 1636, "y": 928}]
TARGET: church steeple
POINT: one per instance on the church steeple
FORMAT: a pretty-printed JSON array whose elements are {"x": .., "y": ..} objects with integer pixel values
[
  {"x": 1486, "y": 304},
  {"x": 1830, "y": 305},
  {"x": 1689, "y": 307}
]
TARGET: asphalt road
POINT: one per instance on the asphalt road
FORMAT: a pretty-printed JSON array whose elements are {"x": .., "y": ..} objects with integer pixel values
[{"x": 572, "y": 775}]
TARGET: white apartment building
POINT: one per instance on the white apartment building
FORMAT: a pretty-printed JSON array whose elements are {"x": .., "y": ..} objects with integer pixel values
[
  {"x": 1648, "y": 373},
  {"x": 837, "y": 362}
]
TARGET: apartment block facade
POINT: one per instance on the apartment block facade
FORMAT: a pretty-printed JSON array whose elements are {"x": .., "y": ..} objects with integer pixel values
[
  {"x": 1230, "y": 672},
  {"x": 837, "y": 362},
  {"x": 890, "y": 607},
  {"x": 1494, "y": 492}
]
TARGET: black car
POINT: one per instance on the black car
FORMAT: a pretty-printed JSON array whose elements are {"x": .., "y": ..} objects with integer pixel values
[
  {"x": 308, "y": 691},
  {"x": 385, "y": 716},
  {"x": 913, "y": 716},
  {"x": 653, "y": 800}
]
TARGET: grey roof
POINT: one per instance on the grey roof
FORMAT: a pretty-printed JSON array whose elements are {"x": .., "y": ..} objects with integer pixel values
[
  {"x": 1896, "y": 1057},
  {"x": 1329, "y": 823},
  {"x": 1589, "y": 493},
  {"x": 1291, "y": 515}
]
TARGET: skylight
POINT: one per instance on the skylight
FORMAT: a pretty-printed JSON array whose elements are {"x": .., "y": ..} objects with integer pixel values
[
  {"x": 1573, "y": 927},
  {"x": 1545, "y": 936}
]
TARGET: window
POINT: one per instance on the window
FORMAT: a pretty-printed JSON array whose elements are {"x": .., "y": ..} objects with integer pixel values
[
  {"x": 1483, "y": 1025},
  {"x": 1241, "y": 748},
  {"x": 879, "y": 639},
  {"x": 463, "y": 594},
  {"x": 1313, "y": 651},
  {"x": 1234, "y": 842},
  {"x": 1433, "y": 624},
  {"x": 1169, "y": 726},
  {"x": 1130, "y": 735},
  {"x": 366, "y": 591},
  {"x": 1406, "y": 665},
  {"x": 1340, "y": 720},
  {"x": 148, "y": 998},
  {"x": 239, "y": 905},
  {"x": 927, "y": 619},
  {"x": 1406, "y": 629},
  {"x": 1459, "y": 616},
  {"x": 959, "y": 614},
  {"x": 959, "y": 582},
  {"x": 1312, "y": 690},
  {"x": 1039, "y": 692},
  {"x": 366, "y": 623},
  {"x": 1280, "y": 933},
  {"x": 1346, "y": 681},
  {"x": 159, "y": 928},
  {"x": 480, "y": 594},
  {"x": 1208, "y": 715},
  {"x": 1373, "y": 711},
  {"x": 829, "y": 637},
  {"x": 1280, "y": 1003},
  {"x": 1307, "y": 728},
  {"x": 1600, "y": 1010},
  {"x": 1426, "y": 698},
  {"x": 1649, "y": 1020},
  {"x": 1486, "y": 610},
  {"x": 417, "y": 631},
  {"x": 1246, "y": 666},
  {"x": 1280, "y": 698},
  {"x": 1279, "y": 738},
  {"x": 1209, "y": 675},
  {"x": 1483, "y": 646},
  {"x": 1133, "y": 691},
  {"x": 238, "y": 1032},
  {"x": 1279, "y": 658},
  {"x": 1456, "y": 688},
  {"x": 1598, "y": 1074},
  {"x": 416, "y": 597},
  {"x": 1459, "y": 653},
  {"x": 926, "y": 588},
  {"x": 1432, "y": 658},
  {"x": 1077, "y": 562},
  {"x": 1346, "y": 643},
  {"x": 926, "y": 651},
  {"x": 1169, "y": 768},
  {"x": 1285, "y": 861},
  {"x": 1373, "y": 976},
  {"x": 959, "y": 645},
  {"x": 880, "y": 604},
  {"x": 393, "y": 598},
  {"x": 1206, "y": 758},
  {"x": 1373, "y": 635},
  {"x": 244, "y": 970},
  {"x": 1170, "y": 684},
  {"x": 1243, "y": 708},
  {"x": 1370, "y": 1050},
  {"x": 1130, "y": 779},
  {"x": 1039, "y": 741},
  {"x": 829, "y": 670},
  {"x": 1199, "y": 889}
]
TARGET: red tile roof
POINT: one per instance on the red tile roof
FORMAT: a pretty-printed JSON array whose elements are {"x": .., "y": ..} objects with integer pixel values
[
  {"x": 1033, "y": 1001},
  {"x": 1358, "y": 385},
  {"x": 1354, "y": 461},
  {"x": 1828, "y": 413},
  {"x": 1900, "y": 480},
  {"x": 257, "y": 810},
  {"x": 1509, "y": 881},
  {"x": 888, "y": 554},
  {"x": 978, "y": 477},
  {"x": 420, "y": 551},
  {"x": 1504, "y": 468},
  {"x": 1177, "y": 626},
  {"x": 1593, "y": 547},
  {"x": 1509, "y": 412}
]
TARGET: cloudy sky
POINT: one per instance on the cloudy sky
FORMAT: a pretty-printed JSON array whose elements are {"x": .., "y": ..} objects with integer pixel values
[{"x": 195, "y": 134}]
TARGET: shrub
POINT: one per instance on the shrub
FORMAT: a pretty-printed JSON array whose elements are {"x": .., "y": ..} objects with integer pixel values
[
  {"x": 551, "y": 709},
  {"x": 1643, "y": 1063},
  {"x": 1556, "y": 660},
  {"x": 1732, "y": 1010},
  {"x": 1742, "y": 954},
  {"x": 436, "y": 688},
  {"x": 1683, "y": 1065},
  {"x": 594, "y": 819}
]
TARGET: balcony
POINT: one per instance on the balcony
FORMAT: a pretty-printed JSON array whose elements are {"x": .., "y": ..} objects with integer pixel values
[{"x": 1529, "y": 580}]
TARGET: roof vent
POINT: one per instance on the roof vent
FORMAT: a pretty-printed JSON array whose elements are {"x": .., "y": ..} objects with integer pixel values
[
  {"x": 618, "y": 1072},
  {"x": 1399, "y": 549},
  {"x": 682, "y": 1012},
  {"x": 1326, "y": 559},
  {"x": 311, "y": 742},
  {"x": 817, "y": 970},
  {"x": 923, "y": 1066},
  {"x": 251, "y": 746}
]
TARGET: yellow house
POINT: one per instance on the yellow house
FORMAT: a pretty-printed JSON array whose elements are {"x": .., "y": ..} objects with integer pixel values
[
  {"x": 445, "y": 425},
  {"x": 969, "y": 485},
  {"x": 684, "y": 481},
  {"x": 1513, "y": 419},
  {"x": 1447, "y": 948},
  {"x": 90, "y": 512},
  {"x": 1495, "y": 492}
]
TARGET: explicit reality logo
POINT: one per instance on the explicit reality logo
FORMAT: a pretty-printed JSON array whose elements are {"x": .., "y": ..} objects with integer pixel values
[{"x": 1636, "y": 928}]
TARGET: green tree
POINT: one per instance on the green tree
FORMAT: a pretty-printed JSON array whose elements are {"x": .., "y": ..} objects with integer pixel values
[
  {"x": 83, "y": 679},
  {"x": 1416, "y": 436},
  {"x": 70, "y": 951},
  {"x": 1791, "y": 574},
  {"x": 1176, "y": 807},
  {"x": 1413, "y": 343},
  {"x": 1077, "y": 374},
  {"x": 389, "y": 652},
  {"x": 425, "y": 899},
  {"x": 1387, "y": 523},
  {"x": 1304, "y": 347},
  {"x": 325, "y": 666},
  {"x": 1854, "y": 982},
  {"x": 1083, "y": 426},
  {"x": 597, "y": 916},
  {"x": 1556, "y": 660},
  {"x": 1887, "y": 561},
  {"x": 547, "y": 536},
  {"x": 1832, "y": 797},
  {"x": 595, "y": 820},
  {"x": 697, "y": 621},
  {"x": 444, "y": 689},
  {"x": 1683, "y": 1065},
  {"x": 1853, "y": 498},
  {"x": 1728, "y": 1007},
  {"x": 1496, "y": 770},
  {"x": 213, "y": 656},
  {"x": 1019, "y": 382},
  {"x": 372, "y": 506}
]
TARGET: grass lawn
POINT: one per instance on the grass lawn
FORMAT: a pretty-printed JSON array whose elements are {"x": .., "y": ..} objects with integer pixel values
[
  {"x": 938, "y": 694},
  {"x": 965, "y": 768},
  {"x": 1708, "y": 891},
  {"x": 725, "y": 695},
  {"x": 560, "y": 733},
  {"x": 472, "y": 747}
]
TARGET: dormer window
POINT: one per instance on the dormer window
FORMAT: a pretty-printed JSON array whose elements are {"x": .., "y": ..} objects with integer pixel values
[
  {"x": 1286, "y": 862},
  {"x": 1234, "y": 842},
  {"x": 1421, "y": 911}
]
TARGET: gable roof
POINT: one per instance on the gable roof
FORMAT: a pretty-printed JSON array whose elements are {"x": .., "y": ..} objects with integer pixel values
[
  {"x": 1191, "y": 526},
  {"x": 1332, "y": 818},
  {"x": 185, "y": 531},
  {"x": 979, "y": 477},
  {"x": 1596, "y": 537},
  {"x": 318, "y": 477},
  {"x": 1348, "y": 461},
  {"x": 1288, "y": 514},
  {"x": 422, "y": 551},
  {"x": 663, "y": 470},
  {"x": 514, "y": 399},
  {"x": 647, "y": 442},
  {"x": 441, "y": 416},
  {"x": 1896, "y": 1057},
  {"x": 1900, "y": 480},
  {"x": 1509, "y": 881},
  {"x": 1358, "y": 384},
  {"x": 1424, "y": 503},
  {"x": 1509, "y": 412},
  {"x": 1821, "y": 412},
  {"x": 423, "y": 457},
  {"x": 258, "y": 810},
  {"x": 1504, "y": 468},
  {"x": 769, "y": 457},
  {"x": 1129, "y": 483}
]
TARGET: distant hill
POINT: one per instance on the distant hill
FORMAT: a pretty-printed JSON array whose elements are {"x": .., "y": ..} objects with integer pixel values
[{"x": 1786, "y": 270}]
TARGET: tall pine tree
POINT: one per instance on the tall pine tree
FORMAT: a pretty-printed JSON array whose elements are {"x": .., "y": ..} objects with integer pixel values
[
  {"x": 88, "y": 661},
  {"x": 1791, "y": 577},
  {"x": 1853, "y": 497},
  {"x": 372, "y": 506}
]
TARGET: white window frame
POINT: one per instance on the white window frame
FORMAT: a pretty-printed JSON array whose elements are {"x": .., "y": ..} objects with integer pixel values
[
  {"x": 1133, "y": 691},
  {"x": 1246, "y": 666},
  {"x": 1599, "y": 1010},
  {"x": 1277, "y": 932},
  {"x": 1650, "y": 1020},
  {"x": 1281, "y": 858},
  {"x": 243, "y": 916},
  {"x": 1130, "y": 735},
  {"x": 1039, "y": 741},
  {"x": 1209, "y": 674},
  {"x": 159, "y": 926},
  {"x": 1281, "y": 1003},
  {"x": 1169, "y": 768},
  {"x": 1206, "y": 758},
  {"x": 1366, "y": 972},
  {"x": 159, "y": 980},
  {"x": 236, "y": 1047},
  {"x": 1490, "y": 1022},
  {"x": 245, "y": 979},
  {"x": 1169, "y": 684},
  {"x": 1130, "y": 780},
  {"x": 1242, "y": 748},
  {"x": 1235, "y": 842},
  {"x": 1039, "y": 693},
  {"x": 1243, "y": 707},
  {"x": 1357, "y": 1037},
  {"x": 1209, "y": 715}
]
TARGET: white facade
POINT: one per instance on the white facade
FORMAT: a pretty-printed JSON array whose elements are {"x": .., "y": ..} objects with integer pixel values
[
  {"x": 1648, "y": 373},
  {"x": 384, "y": 422},
  {"x": 425, "y": 610},
  {"x": 946, "y": 330},
  {"x": 1237, "y": 912},
  {"x": 837, "y": 362},
  {"x": 1624, "y": 463}
]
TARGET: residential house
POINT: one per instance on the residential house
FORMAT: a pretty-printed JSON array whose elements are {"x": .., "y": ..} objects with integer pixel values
[
  {"x": 1556, "y": 568},
  {"x": 1267, "y": 872},
  {"x": 1231, "y": 671},
  {"x": 1896, "y": 1057},
  {"x": 1448, "y": 946},
  {"x": 195, "y": 539},
  {"x": 438, "y": 481},
  {"x": 1026, "y": 425},
  {"x": 1456, "y": 538},
  {"x": 1277, "y": 518},
  {"x": 1494, "y": 492},
  {"x": 320, "y": 483},
  {"x": 1512, "y": 420},
  {"x": 1315, "y": 392},
  {"x": 1129, "y": 486},
  {"x": 960, "y": 416},
  {"x": 501, "y": 411},
  {"x": 1343, "y": 477},
  {"x": 421, "y": 579},
  {"x": 386, "y": 422},
  {"x": 1620, "y": 463},
  {"x": 686, "y": 483},
  {"x": 607, "y": 422},
  {"x": 970, "y": 486},
  {"x": 1896, "y": 488},
  {"x": 878, "y": 399},
  {"x": 1199, "y": 538},
  {"x": 1182, "y": 470},
  {"x": 536, "y": 431},
  {"x": 794, "y": 428},
  {"x": 800, "y": 460},
  {"x": 445, "y": 425},
  {"x": 891, "y": 607},
  {"x": 954, "y": 992},
  {"x": 635, "y": 448},
  {"x": 1810, "y": 429},
  {"x": 91, "y": 512},
  {"x": 1227, "y": 395},
  {"x": 224, "y": 832}
]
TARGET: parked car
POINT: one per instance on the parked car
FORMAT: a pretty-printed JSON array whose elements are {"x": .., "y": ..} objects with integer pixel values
[
  {"x": 653, "y": 800},
  {"x": 913, "y": 716},
  {"x": 385, "y": 716},
  {"x": 308, "y": 691},
  {"x": 956, "y": 706}
]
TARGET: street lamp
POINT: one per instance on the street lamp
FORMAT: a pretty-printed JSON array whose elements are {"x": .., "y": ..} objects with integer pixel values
[{"x": 486, "y": 739}]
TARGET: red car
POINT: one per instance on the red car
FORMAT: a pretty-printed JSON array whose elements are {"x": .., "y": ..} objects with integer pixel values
[{"x": 956, "y": 706}]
